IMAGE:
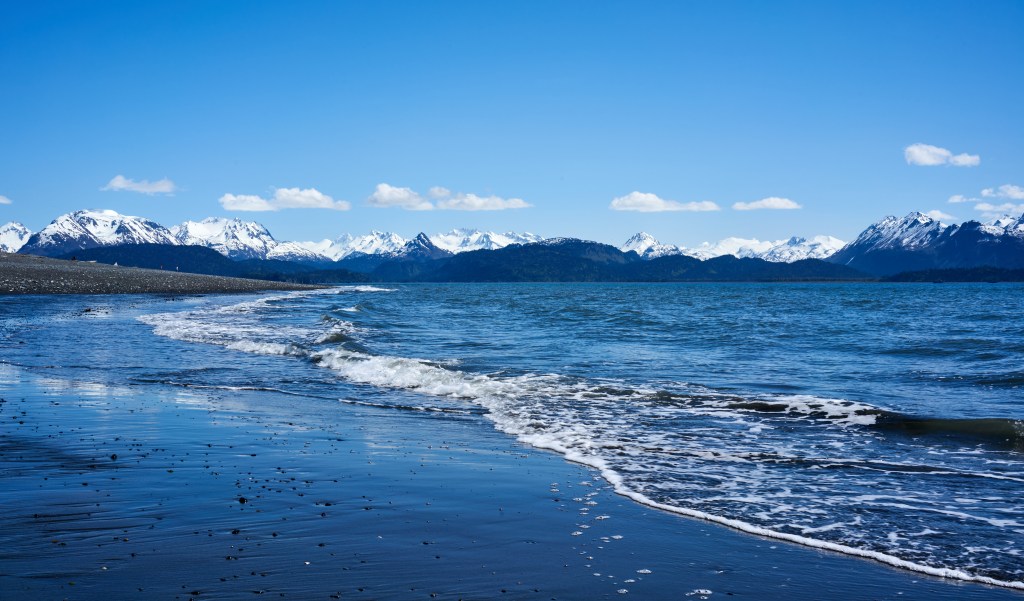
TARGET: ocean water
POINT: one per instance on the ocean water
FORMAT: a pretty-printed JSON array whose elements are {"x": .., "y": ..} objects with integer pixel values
[{"x": 884, "y": 421}]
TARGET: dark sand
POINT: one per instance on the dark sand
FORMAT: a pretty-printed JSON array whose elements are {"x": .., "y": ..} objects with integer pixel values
[
  {"x": 26, "y": 274},
  {"x": 146, "y": 492}
]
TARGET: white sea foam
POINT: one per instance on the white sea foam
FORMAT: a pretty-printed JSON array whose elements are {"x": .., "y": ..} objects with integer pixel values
[
  {"x": 839, "y": 410},
  {"x": 726, "y": 444},
  {"x": 363, "y": 289}
]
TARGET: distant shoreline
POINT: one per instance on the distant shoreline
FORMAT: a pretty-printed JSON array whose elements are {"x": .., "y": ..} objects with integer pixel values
[
  {"x": 27, "y": 274},
  {"x": 31, "y": 274}
]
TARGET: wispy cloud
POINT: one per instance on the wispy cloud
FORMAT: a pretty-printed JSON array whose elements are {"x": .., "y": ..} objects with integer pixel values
[
  {"x": 645, "y": 202},
  {"x": 1007, "y": 208},
  {"x": 121, "y": 183},
  {"x": 386, "y": 195},
  {"x": 472, "y": 202},
  {"x": 772, "y": 202},
  {"x": 1005, "y": 191},
  {"x": 4, "y": 200},
  {"x": 308, "y": 198},
  {"x": 938, "y": 215},
  {"x": 927, "y": 155},
  {"x": 991, "y": 210},
  {"x": 283, "y": 198},
  {"x": 439, "y": 192},
  {"x": 245, "y": 202}
]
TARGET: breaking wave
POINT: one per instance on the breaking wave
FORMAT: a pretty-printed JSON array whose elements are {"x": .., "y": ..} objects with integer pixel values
[{"x": 792, "y": 467}]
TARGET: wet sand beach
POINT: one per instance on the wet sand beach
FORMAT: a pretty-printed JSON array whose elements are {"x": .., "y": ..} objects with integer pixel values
[
  {"x": 150, "y": 492},
  {"x": 26, "y": 274}
]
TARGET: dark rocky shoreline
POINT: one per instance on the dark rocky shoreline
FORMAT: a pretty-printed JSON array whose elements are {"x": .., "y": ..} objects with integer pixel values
[{"x": 26, "y": 274}]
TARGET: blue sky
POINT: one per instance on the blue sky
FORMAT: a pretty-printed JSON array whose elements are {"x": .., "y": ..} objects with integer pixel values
[{"x": 308, "y": 108}]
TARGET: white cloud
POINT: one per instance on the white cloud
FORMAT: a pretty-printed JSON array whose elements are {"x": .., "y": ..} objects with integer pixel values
[
  {"x": 438, "y": 192},
  {"x": 406, "y": 198},
  {"x": 938, "y": 215},
  {"x": 927, "y": 155},
  {"x": 309, "y": 198},
  {"x": 121, "y": 183},
  {"x": 646, "y": 202},
  {"x": 245, "y": 202},
  {"x": 772, "y": 202},
  {"x": 386, "y": 195},
  {"x": 284, "y": 198},
  {"x": 961, "y": 198},
  {"x": 965, "y": 160},
  {"x": 4, "y": 200},
  {"x": 472, "y": 202},
  {"x": 1005, "y": 191},
  {"x": 991, "y": 210}
]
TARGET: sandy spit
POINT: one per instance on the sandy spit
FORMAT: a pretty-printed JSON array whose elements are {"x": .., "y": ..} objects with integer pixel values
[{"x": 26, "y": 274}]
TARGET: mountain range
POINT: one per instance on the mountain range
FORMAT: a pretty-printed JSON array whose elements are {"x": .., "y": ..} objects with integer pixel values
[
  {"x": 233, "y": 238},
  {"x": 779, "y": 251},
  {"x": 918, "y": 242},
  {"x": 241, "y": 240},
  {"x": 889, "y": 246}
]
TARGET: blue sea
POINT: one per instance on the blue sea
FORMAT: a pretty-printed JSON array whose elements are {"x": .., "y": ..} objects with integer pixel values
[{"x": 883, "y": 421}]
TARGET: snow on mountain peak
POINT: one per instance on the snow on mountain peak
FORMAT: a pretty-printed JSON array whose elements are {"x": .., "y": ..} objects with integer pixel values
[
  {"x": 780, "y": 251},
  {"x": 420, "y": 247},
  {"x": 231, "y": 237},
  {"x": 796, "y": 249},
  {"x": 239, "y": 239},
  {"x": 1003, "y": 222},
  {"x": 648, "y": 247},
  {"x": 914, "y": 230},
  {"x": 639, "y": 242},
  {"x": 1007, "y": 224},
  {"x": 737, "y": 247},
  {"x": 374, "y": 243},
  {"x": 110, "y": 227},
  {"x": 464, "y": 239},
  {"x": 13, "y": 236},
  {"x": 89, "y": 229}
]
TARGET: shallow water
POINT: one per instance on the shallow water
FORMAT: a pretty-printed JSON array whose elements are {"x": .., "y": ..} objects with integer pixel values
[{"x": 882, "y": 421}]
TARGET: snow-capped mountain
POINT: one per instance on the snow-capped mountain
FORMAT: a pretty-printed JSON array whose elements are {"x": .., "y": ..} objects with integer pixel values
[
  {"x": 918, "y": 242},
  {"x": 648, "y": 247},
  {"x": 376, "y": 243},
  {"x": 89, "y": 229},
  {"x": 13, "y": 236},
  {"x": 418, "y": 249},
  {"x": 913, "y": 231},
  {"x": 233, "y": 238},
  {"x": 334, "y": 250},
  {"x": 796, "y": 249},
  {"x": 385, "y": 243},
  {"x": 738, "y": 247},
  {"x": 1006, "y": 225},
  {"x": 892, "y": 245},
  {"x": 779, "y": 251},
  {"x": 462, "y": 240},
  {"x": 1016, "y": 228},
  {"x": 293, "y": 251},
  {"x": 237, "y": 239}
]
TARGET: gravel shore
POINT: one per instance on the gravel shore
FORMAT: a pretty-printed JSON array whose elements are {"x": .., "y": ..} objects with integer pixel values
[{"x": 26, "y": 274}]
